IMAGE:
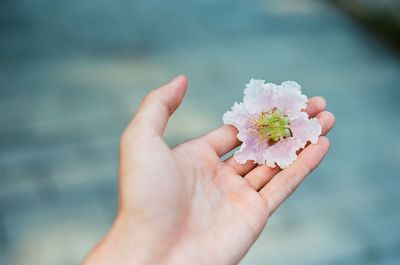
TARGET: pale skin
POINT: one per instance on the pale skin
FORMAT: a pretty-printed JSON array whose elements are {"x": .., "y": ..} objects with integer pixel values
[{"x": 184, "y": 205}]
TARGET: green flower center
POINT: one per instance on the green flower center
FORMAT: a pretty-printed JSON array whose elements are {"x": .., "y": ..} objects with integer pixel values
[{"x": 271, "y": 126}]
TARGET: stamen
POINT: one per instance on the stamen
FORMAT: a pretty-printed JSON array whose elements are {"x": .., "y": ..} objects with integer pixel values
[{"x": 271, "y": 126}]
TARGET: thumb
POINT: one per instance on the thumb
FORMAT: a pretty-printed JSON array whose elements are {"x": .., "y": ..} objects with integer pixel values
[{"x": 155, "y": 109}]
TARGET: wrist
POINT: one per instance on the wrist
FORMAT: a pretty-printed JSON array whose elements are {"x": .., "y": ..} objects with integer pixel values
[{"x": 125, "y": 243}]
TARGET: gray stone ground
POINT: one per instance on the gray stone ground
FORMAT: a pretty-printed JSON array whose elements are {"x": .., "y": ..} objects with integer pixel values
[{"x": 73, "y": 72}]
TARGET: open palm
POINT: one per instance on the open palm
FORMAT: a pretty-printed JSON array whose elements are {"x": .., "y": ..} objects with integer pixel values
[{"x": 185, "y": 204}]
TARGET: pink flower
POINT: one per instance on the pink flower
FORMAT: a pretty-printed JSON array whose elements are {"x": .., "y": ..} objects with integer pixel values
[{"x": 271, "y": 123}]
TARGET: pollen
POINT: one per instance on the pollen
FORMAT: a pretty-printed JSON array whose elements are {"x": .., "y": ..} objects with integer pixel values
[{"x": 271, "y": 126}]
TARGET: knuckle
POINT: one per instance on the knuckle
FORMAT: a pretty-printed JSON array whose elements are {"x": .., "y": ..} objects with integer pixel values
[
  {"x": 292, "y": 186},
  {"x": 151, "y": 96},
  {"x": 269, "y": 208},
  {"x": 305, "y": 169}
]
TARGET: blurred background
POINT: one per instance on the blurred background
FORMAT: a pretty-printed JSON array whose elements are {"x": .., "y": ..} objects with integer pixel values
[{"x": 73, "y": 72}]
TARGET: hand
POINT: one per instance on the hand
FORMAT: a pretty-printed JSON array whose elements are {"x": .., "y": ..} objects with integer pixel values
[{"x": 186, "y": 206}]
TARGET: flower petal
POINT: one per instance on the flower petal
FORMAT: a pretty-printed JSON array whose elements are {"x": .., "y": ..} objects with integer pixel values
[
  {"x": 259, "y": 96},
  {"x": 237, "y": 117},
  {"x": 283, "y": 153},
  {"x": 251, "y": 149},
  {"x": 305, "y": 130},
  {"x": 289, "y": 99}
]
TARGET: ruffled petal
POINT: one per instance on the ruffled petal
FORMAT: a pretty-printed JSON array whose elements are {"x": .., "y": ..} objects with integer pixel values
[
  {"x": 251, "y": 149},
  {"x": 259, "y": 96},
  {"x": 237, "y": 117},
  {"x": 305, "y": 130},
  {"x": 289, "y": 99},
  {"x": 250, "y": 152},
  {"x": 283, "y": 153}
]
